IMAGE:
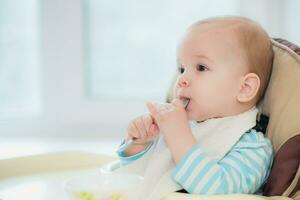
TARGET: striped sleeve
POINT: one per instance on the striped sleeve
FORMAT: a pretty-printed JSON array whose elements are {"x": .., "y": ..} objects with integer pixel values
[{"x": 242, "y": 170}]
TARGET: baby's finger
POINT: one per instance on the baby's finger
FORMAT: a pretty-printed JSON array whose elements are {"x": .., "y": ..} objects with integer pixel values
[
  {"x": 141, "y": 128},
  {"x": 177, "y": 103},
  {"x": 133, "y": 132},
  {"x": 152, "y": 109},
  {"x": 147, "y": 119}
]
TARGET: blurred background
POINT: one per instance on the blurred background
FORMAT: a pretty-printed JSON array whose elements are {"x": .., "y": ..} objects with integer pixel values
[{"x": 73, "y": 73}]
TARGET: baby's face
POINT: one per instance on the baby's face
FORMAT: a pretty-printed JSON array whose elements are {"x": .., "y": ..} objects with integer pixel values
[{"x": 210, "y": 69}]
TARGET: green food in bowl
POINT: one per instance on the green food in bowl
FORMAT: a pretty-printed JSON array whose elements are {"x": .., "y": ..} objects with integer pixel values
[{"x": 107, "y": 186}]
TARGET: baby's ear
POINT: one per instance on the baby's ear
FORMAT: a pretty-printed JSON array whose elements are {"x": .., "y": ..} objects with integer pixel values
[{"x": 249, "y": 87}]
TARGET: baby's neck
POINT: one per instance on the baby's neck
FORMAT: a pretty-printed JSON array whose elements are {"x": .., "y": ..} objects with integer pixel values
[{"x": 232, "y": 113}]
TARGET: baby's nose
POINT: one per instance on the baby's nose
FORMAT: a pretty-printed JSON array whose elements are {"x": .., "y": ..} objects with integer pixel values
[{"x": 183, "y": 82}]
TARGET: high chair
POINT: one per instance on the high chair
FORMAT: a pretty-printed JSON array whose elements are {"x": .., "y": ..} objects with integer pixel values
[{"x": 280, "y": 104}]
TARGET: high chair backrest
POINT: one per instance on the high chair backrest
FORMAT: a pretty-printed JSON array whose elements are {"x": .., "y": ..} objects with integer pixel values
[{"x": 282, "y": 104}]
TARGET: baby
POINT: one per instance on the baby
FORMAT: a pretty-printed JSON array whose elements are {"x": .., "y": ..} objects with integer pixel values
[{"x": 208, "y": 146}]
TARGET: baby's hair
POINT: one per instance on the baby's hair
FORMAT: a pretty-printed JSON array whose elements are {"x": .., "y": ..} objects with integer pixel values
[{"x": 255, "y": 42}]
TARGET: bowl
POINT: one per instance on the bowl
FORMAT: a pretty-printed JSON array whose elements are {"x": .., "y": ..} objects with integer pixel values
[{"x": 104, "y": 186}]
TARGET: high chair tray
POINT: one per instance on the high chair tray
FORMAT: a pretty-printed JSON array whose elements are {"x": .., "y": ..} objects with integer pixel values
[{"x": 42, "y": 177}]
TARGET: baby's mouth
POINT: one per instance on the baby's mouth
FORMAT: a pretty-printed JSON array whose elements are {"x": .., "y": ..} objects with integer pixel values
[{"x": 185, "y": 101}]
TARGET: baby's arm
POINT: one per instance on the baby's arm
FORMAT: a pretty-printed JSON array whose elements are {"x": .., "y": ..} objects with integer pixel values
[{"x": 243, "y": 170}]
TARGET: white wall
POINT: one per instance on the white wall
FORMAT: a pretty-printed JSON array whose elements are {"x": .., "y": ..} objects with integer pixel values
[{"x": 66, "y": 109}]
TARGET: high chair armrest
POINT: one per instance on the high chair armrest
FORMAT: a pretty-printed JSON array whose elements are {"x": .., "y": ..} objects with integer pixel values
[
  {"x": 183, "y": 196},
  {"x": 51, "y": 162}
]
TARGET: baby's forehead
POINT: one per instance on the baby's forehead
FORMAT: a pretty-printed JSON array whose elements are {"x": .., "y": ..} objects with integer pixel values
[{"x": 215, "y": 35}]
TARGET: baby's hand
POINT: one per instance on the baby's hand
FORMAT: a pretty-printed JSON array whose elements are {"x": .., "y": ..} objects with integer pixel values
[
  {"x": 143, "y": 129},
  {"x": 172, "y": 121},
  {"x": 171, "y": 118}
]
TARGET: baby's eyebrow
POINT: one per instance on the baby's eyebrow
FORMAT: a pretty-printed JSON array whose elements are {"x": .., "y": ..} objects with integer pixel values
[
  {"x": 196, "y": 55},
  {"x": 203, "y": 56},
  {"x": 178, "y": 60}
]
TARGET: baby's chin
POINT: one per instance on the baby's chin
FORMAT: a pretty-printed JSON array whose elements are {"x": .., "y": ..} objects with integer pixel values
[
  {"x": 199, "y": 118},
  {"x": 192, "y": 117}
]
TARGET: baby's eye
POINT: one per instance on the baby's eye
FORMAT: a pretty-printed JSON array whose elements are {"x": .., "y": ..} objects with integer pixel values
[
  {"x": 180, "y": 70},
  {"x": 202, "y": 68}
]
